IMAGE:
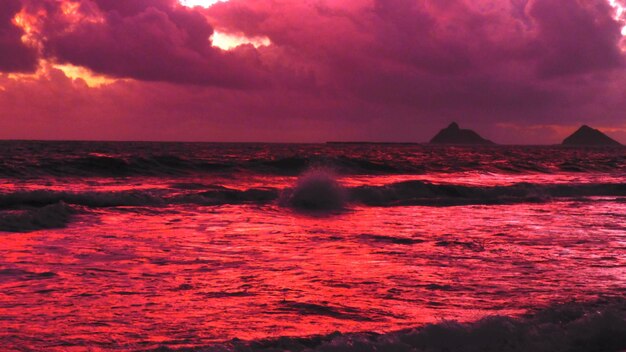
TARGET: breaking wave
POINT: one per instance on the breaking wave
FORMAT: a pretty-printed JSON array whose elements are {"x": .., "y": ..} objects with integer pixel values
[
  {"x": 42, "y": 198},
  {"x": 320, "y": 191},
  {"x": 316, "y": 190},
  {"x": 572, "y": 327},
  {"x": 424, "y": 193},
  {"x": 217, "y": 196},
  {"x": 317, "y": 193},
  {"x": 48, "y": 217}
]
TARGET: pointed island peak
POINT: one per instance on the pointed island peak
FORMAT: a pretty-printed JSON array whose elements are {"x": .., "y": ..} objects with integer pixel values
[
  {"x": 453, "y": 126},
  {"x": 588, "y": 136},
  {"x": 453, "y": 134}
]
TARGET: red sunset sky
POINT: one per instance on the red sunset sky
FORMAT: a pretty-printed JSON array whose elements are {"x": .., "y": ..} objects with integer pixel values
[{"x": 517, "y": 71}]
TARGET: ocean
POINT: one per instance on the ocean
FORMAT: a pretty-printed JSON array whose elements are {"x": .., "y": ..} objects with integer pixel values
[{"x": 330, "y": 247}]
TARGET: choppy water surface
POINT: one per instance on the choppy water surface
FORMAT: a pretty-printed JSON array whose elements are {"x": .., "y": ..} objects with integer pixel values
[{"x": 121, "y": 246}]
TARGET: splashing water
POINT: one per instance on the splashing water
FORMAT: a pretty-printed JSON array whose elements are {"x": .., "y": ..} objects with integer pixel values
[{"x": 316, "y": 190}]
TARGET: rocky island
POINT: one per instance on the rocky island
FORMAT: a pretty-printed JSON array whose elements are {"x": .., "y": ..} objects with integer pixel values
[
  {"x": 587, "y": 136},
  {"x": 453, "y": 134}
]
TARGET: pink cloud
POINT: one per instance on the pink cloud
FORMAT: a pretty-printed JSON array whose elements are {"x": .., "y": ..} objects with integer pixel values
[
  {"x": 576, "y": 37},
  {"x": 151, "y": 41},
  {"x": 15, "y": 56},
  {"x": 360, "y": 69}
]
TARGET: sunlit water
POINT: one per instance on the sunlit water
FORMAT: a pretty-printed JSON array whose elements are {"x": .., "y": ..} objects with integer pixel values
[{"x": 105, "y": 251}]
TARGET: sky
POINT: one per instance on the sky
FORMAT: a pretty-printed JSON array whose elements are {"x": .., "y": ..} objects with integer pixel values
[{"x": 516, "y": 71}]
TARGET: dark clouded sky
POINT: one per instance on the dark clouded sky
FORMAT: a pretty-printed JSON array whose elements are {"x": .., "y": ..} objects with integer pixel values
[{"x": 517, "y": 71}]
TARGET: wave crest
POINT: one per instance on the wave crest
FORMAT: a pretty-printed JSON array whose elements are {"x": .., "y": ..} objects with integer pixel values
[
  {"x": 316, "y": 190},
  {"x": 48, "y": 217},
  {"x": 429, "y": 194},
  {"x": 574, "y": 327},
  {"x": 319, "y": 190}
]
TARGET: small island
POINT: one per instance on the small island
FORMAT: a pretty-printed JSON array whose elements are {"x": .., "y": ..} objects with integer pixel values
[
  {"x": 453, "y": 134},
  {"x": 587, "y": 136}
]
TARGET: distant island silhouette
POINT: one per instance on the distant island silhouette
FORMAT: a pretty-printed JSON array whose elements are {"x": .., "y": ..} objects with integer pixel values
[
  {"x": 453, "y": 134},
  {"x": 587, "y": 136}
]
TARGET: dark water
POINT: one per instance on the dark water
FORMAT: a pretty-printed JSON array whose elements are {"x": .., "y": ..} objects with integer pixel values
[
  {"x": 102, "y": 159},
  {"x": 119, "y": 246}
]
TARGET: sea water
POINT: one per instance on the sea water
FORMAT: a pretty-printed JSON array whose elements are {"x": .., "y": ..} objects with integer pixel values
[{"x": 119, "y": 246}]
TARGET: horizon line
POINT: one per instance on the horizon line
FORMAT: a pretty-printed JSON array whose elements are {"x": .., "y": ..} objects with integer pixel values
[{"x": 266, "y": 142}]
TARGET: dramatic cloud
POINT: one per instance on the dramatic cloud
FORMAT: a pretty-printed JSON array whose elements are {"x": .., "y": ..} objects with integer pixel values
[
  {"x": 15, "y": 56},
  {"x": 479, "y": 58},
  {"x": 150, "y": 40},
  {"x": 576, "y": 37},
  {"x": 519, "y": 70}
]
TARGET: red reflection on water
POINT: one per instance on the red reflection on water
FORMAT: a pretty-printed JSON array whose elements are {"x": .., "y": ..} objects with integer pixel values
[{"x": 184, "y": 275}]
